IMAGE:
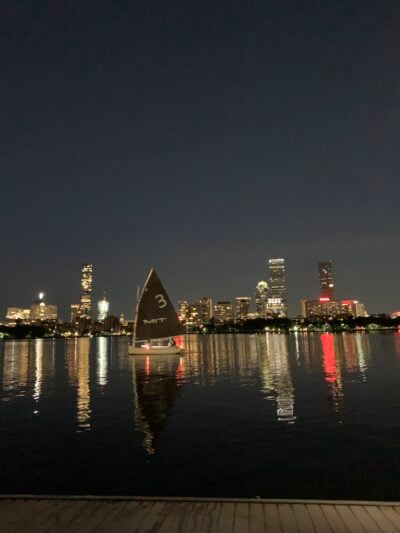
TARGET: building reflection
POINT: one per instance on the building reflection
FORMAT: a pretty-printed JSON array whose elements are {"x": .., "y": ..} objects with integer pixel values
[
  {"x": 331, "y": 365},
  {"x": 277, "y": 354},
  {"x": 102, "y": 361},
  {"x": 77, "y": 358},
  {"x": 156, "y": 381},
  {"x": 396, "y": 338},
  {"x": 363, "y": 353},
  {"x": 212, "y": 357},
  {"x": 44, "y": 367},
  {"x": 16, "y": 367}
]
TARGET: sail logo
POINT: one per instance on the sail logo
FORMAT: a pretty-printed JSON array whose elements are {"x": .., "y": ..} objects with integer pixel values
[{"x": 154, "y": 320}]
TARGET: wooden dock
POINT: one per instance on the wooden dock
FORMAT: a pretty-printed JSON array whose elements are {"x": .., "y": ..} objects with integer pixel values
[{"x": 127, "y": 514}]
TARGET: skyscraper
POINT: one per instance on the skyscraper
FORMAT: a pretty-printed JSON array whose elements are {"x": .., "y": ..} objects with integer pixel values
[
  {"x": 261, "y": 298},
  {"x": 86, "y": 290},
  {"x": 223, "y": 312},
  {"x": 203, "y": 310},
  {"x": 325, "y": 279},
  {"x": 183, "y": 310},
  {"x": 242, "y": 305},
  {"x": 40, "y": 310},
  {"x": 103, "y": 307},
  {"x": 277, "y": 284}
]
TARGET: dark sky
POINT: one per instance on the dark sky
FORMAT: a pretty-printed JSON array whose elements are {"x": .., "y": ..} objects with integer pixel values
[{"x": 200, "y": 138}]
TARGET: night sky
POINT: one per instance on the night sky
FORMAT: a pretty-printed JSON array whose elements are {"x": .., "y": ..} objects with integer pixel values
[{"x": 200, "y": 138}]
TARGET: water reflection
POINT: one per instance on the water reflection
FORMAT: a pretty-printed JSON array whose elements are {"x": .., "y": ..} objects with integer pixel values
[
  {"x": 102, "y": 360},
  {"x": 331, "y": 365},
  {"x": 155, "y": 380},
  {"x": 277, "y": 354},
  {"x": 77, "y": 360},
  {"x": 15, "y": 368}
]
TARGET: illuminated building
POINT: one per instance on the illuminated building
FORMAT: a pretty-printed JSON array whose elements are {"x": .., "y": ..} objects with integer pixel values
[
  {"x": 327, "y": 308},
  {"x": 42, "y": 311},
  {"x": 17, "y": 313},
  {"x": 122, "y": 320},
  {"x": 86, "y": 290},
  {"x": 325, "y": 279},
  {"x": 303, "y": 312},
  {"x": 183, "y": 310},
  {"x": 223, "y": 312},
  {"x": 74, "y": 309},
  {"x": 276, "y": 305},
  {"x": 261, "y": 298},
  {"x": 395, "y": 314},
  {"x": 103, "y": 307},
  {"x": 201, "y": 311},
  {"x": 112, "y": 324},
  {"x": 242, "y": 306}
]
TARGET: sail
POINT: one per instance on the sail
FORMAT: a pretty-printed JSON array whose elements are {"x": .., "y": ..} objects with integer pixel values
[{"x": 156, "y": 316}]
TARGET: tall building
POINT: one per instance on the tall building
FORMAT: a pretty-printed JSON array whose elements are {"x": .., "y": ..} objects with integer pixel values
[
  {"x": 41, "y": 311},
  {"x": 325, "y": 279},
  {"x": 277, "y": 283},
  {"x": 242, "y": 306},
  {"x": 261, "y": 298},
  {"x": 74, "y": 309},
  {"x": 183, "y": 310},
  {"x": 103, "y": 307},
  {"x": 202, "y": 311},
  {"x": 223, "y": 312},
  {"x": 86, "y": 290}
]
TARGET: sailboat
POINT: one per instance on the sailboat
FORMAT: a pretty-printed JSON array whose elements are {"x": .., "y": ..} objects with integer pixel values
[{"x": 155, "y": 321}]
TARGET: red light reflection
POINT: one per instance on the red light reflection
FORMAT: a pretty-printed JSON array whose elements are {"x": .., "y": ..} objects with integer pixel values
[{"x": 328, "y": 353}]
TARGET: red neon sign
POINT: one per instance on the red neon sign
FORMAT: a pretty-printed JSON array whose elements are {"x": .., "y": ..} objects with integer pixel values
[{"x": 324, "y": 299}]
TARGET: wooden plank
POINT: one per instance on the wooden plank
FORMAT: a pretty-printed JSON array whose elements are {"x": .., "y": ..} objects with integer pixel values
[
  {"x": 334, "y": 519},
  {"x": 93, "y": 517},
  {"x": 152, "y": 518},
  {"x": 195, "y": 517},
  {"x": 71, "y": 516},
  {"x": 318, "y": 519},
  {"x": 380, "y": 519},
  {"x": 288, "y": 520},
  {"x": 226, "y": 518},
  {"x": 51, "y": 520},
  {"x": 257, "y": 518},
  {"x": 211, "y": 517},
  {"x": 365, "y": 518},
  {"x": 112, "y": 517},
  {"x": 303, "y": 519},
  {"x": 391, "y": 514},
  {"x": 350, "y": 519},
  {"x": 30, "y": 514},
  {"x": 272, "y": 518},
  {"x": 241, "y": 523}
]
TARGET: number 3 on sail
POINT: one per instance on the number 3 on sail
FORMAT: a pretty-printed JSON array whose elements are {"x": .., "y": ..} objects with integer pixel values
[
  {"x": 155, "y": 321},
  {"x": 161, "y": 301}
]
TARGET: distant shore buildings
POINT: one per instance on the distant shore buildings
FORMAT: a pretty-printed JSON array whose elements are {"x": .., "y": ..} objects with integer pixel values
[
  {"x": 270, "y": 302},
  {"x": 326, "y": 306},
  {"x": 39, "y": 311}
]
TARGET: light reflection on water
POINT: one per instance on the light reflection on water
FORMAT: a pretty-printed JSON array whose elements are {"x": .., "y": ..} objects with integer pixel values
[{"x": 304, "y": 382}]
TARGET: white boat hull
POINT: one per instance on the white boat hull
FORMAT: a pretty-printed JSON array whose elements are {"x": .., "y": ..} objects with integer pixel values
[{"x": 155, "y": 350}]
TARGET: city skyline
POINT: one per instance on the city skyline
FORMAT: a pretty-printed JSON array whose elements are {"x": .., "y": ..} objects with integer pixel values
[
  {"x": 268, "y": 299},
  {"x": 199, "y": 138}
]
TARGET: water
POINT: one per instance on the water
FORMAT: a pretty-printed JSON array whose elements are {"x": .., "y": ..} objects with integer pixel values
[{"x": 283, "y": 416}]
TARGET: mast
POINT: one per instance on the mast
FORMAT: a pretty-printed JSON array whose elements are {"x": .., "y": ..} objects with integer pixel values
[
  {"x": 138, "y": 299},
  {"x": 136, "y": 314}
]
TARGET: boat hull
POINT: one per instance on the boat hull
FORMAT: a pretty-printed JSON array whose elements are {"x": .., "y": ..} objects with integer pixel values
[{"x": 155, "y": 350}]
